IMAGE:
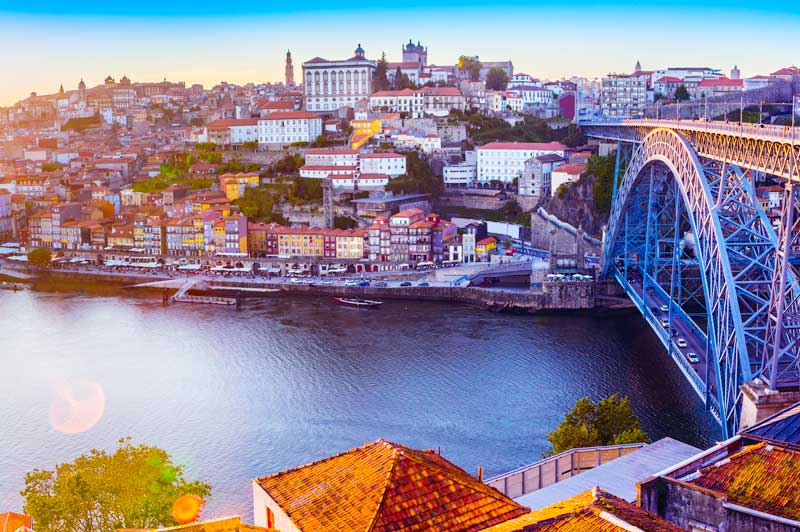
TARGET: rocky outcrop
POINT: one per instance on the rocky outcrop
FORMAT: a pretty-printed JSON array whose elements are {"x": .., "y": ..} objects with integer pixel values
[{"x": 575, "y": 205}]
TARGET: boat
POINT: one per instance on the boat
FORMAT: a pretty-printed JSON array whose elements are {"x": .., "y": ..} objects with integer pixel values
[
  {"x": 356, "y": 302},
  {"x": 12, "y": 286}
]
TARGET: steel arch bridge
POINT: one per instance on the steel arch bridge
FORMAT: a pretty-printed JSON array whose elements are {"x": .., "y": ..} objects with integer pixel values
[{"x": 691, "y": 245}]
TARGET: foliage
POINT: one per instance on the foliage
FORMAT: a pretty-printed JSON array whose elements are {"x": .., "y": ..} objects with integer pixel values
[
  {"x": 470, "y": 66},
  {"x": 401, "y": 80},
  {"x": 79, "y": 124},
  {"x": 50, "y": 167},
  {"x": 574, "y": 136},
  {"x": 491, "y": 215},
  {"x": 39, "y": 257},
  {"x": 681, "y": 93},
  {"x": 289, "y": 164},
  {"x": 496, "y": 79},
  {"x": 250, "y": 145},
  {"x": 344, "y": 222},
  {"x": 205, "y": 146},
  {"x": 602, "y": 168},
  {"x": 305, "y": 190},
  {"x": 134, "y": 487},
  {"x": 511, "y": 208},
  {"x": 258, "y": 204},
  {"x": 609, "y": 422},
  {"x": 196, "y": 121},
  {"x": 484, "y": 129},
  {"x": 418, "y": 178},
  {"x": 320, "y": 142},
  {"x": 361, "y": 194},
  {"x": 381, "y": 80}
]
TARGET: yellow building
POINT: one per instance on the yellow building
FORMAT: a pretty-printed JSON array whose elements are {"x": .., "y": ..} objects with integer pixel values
[
  {"x": 233, "y": 185},
  {"x": 363, "y": 130},
  {"x": 300, "y": 243},
  {"x": 349, "y": 244}
]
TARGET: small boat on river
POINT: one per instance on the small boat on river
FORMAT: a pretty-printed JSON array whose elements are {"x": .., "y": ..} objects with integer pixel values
[{"x": 356, "y": 302}]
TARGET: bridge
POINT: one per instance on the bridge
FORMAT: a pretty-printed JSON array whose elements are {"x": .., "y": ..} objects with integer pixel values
[{"x": 692, "y": 247}]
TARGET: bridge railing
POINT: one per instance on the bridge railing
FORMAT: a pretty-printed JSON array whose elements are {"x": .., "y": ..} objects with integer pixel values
[
  {"x": 769, "y": 131},
  {"x": 548, "y": 471}
]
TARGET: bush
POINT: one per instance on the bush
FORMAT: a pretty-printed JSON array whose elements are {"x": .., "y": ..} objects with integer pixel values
[{"x": 39, "y": 257}]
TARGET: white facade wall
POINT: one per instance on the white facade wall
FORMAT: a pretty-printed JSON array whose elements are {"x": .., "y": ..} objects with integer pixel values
[
  {"x": 394, "y": 165},
  {"x": 322, "y": 172},
  {"x": 332, "y": 158},
  {"x": 272, "y": 129},
  {"x": 240, "y": 134},
  {"x": 330, "y": 85},
  {"x": 463, "y": 174},
  {"x": 505, "y": 164},
  {"x": 262, "y": 501}
]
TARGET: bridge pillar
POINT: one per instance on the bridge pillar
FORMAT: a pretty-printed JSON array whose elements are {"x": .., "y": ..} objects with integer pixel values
[{"x": 760, "y": 402}]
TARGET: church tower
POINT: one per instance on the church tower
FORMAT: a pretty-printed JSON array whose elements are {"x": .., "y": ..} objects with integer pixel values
[
  {"x": 289, "y": 69},
  {"x": 638, "y": 67}
]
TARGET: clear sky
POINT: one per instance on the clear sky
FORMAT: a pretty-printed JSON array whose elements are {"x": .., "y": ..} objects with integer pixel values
[{"x": 48, "y": 42}]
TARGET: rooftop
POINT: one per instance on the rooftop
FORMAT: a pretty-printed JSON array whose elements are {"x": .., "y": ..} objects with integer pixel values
[
  {"x": 594, "y": 510},
  {"x": 384, "y": 486},
  {"x": 532, "y": 146},
  {"x": 619, "y": 476},
  {"x": 782, "y": 428}
]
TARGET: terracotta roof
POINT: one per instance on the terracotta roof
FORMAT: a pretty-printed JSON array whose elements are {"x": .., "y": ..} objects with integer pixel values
[
  {"x": 669, "y": 79},
  {"x": 321, "y": 168},
  {"x": 401, "y": 92},
  {"x": 9, "y": 521},
  {"x": 381, "y": 155},
  {"x": 384, "y": 487},
  {"x": 571, "y": 169},
  {"x": 289, "y": 115},
  {"x": 326, "y": 151},
  {"x": 762, "y": 477},
  {"x": 592, "y": 511},
  {"x": 541, "y": 146},
  {"x": 721, "y": 82},
  {"x": 402, "y": 65},
  {"x": 232, "y": 122},
  {"x": 280, "y": 104}
]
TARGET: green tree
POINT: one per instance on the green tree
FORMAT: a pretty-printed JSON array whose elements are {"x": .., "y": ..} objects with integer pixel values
[
  {"x": 250, "y": 146},
  {"x": 205, "y": 146},
  {"x": 418, "y": 178},
  {"x": 588, "y": 424},
  {"x": 381, "y": 80},
  {"x": 681, "y": 93},
  {"x": 39, "y": 257},
  {"x": 134, "y": 487},
  {"x": 496, "y": 79},
  {"x": 344, "y": 222},
  {"x": 470, "y": 66},
  {"x": 511, "y": 208}
]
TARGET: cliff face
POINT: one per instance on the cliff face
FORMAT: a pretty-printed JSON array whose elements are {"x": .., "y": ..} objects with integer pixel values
[{"x": 576, "y": 206}]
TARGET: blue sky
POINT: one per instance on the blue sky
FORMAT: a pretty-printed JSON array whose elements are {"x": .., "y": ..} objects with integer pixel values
[{"x": 48, "y": 42}]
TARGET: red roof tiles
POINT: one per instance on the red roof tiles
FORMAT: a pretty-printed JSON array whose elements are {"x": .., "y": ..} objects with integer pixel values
[
  {"x": 540, "y": 146},
  {"x": 383, "y": 487}
]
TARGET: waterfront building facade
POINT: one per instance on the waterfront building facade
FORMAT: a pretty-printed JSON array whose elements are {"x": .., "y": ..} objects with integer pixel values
[{"x": 505, "y": 161}]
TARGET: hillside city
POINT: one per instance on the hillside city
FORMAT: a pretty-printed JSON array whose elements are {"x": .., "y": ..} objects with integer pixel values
[{"x": 382, "y": 174}]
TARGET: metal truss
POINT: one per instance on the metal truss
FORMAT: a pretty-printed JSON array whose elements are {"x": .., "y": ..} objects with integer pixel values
[
  {"x": 782, "y": 346},
  {"x": 723, "y": 287},
  {"x": 770, "y": 149}
]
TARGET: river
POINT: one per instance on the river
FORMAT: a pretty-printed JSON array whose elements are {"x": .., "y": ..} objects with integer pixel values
[{"x": 236, "y": 394}]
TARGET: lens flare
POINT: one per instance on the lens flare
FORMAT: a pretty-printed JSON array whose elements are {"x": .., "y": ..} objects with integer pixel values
[
  {"x": 187, "y": 508},
  {"x": 77, "y": 407}
]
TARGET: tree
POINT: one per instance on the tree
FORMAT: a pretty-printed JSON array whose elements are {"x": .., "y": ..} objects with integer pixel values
[
  {"x": 588, "y": 424},
  {"x": 196, "y": 121},
  {"x": 602, "y": 168},
  {"x": 381, "y": 80},
  {"x": 39, "y": 257},
  {"x": 496, "y": 79},
  {"x": 470, "y": 66},
  {"x": 344, "y": 222},
  {"x": 511, "y": 208},
  {"x": 134, "y": 487},
  {"x": 681, "y": 93},
  {"x": 250, "y": 146}
]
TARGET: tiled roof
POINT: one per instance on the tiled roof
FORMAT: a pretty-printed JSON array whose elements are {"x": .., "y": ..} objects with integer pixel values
[
  {"x": 721, "y": 82},
  {"x": 9, "y": 521},
  {"x": 328, "y": 151},
  {"x": 233, "y": 122},
  {"x": 591, "y": 511},
  {"x": 381, "y": 155},
  {"x": 553, "y": 146},
  {"x": 289, "y": 115},
  {"x": 571, "y": 169},
  {"x": 761, "y": 477},
  {"x": 384, "y": 487}
]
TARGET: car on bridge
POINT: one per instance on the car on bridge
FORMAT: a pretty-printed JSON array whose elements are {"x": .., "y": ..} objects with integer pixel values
[
  {"x": 655, "y": 311},
  {"x": 692, "y": 357},
  {"x": 664, "y": 308},
  {"x": 681, "y": 343},
  {"x": 664, "y": 323}
]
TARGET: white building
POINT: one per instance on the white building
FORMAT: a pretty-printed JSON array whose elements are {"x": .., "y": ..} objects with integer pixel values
[
  {"x": 325, "y": 171},
  {"x": 462, "y": 174},
  {"x": 331, "y": 157},
  {"x": 391, "y": 164},
  {"x": 624, "y": 95},
  {"x": 434, "y": 101},
  {"x": 565, "y": 173},
  {"x": 330, "y": 85},
  {"x": 757, "y": 82},
  {"x": 287, "y": 127},
  {"x": 522, "y": 80},
  {"x": 505, "y": 161}
]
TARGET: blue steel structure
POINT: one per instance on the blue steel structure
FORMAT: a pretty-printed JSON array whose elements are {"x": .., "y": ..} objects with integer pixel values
[{"x": 691, "y": 245}]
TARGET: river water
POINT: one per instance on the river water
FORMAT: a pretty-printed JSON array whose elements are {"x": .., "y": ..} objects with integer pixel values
[{"x": 236, "y": 394}]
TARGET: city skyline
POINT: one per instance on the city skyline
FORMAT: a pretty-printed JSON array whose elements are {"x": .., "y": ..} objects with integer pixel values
[{"x": 213, "y": 45}]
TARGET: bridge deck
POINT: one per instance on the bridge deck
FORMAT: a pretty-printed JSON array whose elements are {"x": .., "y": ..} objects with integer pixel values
[{"x": 784, "y": 134}]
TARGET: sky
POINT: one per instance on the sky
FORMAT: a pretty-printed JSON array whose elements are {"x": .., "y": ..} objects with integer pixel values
[{"x": 46, "y": 43}]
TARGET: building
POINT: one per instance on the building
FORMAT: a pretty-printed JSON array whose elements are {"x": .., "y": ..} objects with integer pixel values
[
  {"x": 460, "y": 175},
  {"x": 667, "y": 85},
  {"x": 289, "y": 69},
  {"x": 233, "y": 131},
  {"x": 331, "y": 157},
  {"x": 536, "y": 179},
  {"x": 594, "y": 510},
  {"x": 565, "y": 173},
  {"x": 415, "y": 53},
  {"x": 223, "y": 524},
  {"x": 12, "y": 522},
  {"x": 485, "y": 247},
  {"x": 234, "y": 185},
  {"x": 708, "y": 88},
  {"x": 391, "y": 164},
  {"x": 6, "y": 216},
  {"x": 624, "y": 95},
  {"x": 746, "y": 483},
  {"x": 286, "y": 127},
  {"x": 381, "y": 486},
  {"x": 330, "y": 85},
  {"x": 505, "y": 161}
]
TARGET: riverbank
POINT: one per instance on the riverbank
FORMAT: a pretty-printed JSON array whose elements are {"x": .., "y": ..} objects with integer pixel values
[{"x": 550, "y": 297}]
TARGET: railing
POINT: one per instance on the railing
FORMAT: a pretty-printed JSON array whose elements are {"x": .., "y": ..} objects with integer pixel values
[
  {"x": 760, "y": 130},
  {"x": 548, "y": 471}
]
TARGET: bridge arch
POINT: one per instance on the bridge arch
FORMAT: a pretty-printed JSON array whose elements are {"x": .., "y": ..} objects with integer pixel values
[{"x": 667, "y": 183}]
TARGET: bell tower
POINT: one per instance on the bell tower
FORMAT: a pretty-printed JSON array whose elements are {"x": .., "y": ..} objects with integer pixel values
[{"x": 289, "y": 69}]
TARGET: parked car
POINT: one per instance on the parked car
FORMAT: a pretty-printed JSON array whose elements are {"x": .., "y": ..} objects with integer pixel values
[
  {"x": 692, "y": 357},
  {"x": 363, "y": 283},
  {"x": 423, "y": 284},
  {"x": 664, "y": 323},
  {"x": 351, "y": 282},
  {"x": 405, "y": 283},
  {"x": 655, "y": 311},
  {"x": 295, "y": 280},
  {"x": 326, "y": 281},
  {"x": 681, "y": 343},
  {"x": 381, "y": 283}
]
